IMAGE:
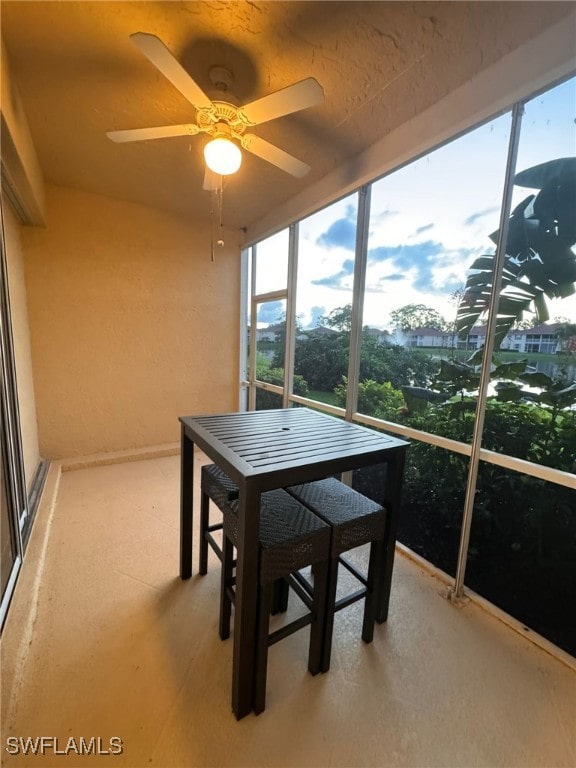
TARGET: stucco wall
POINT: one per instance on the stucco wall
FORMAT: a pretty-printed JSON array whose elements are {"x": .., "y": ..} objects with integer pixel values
[
  {"x": 131, "y": 323},
  {"x": 21, "y": 337}
]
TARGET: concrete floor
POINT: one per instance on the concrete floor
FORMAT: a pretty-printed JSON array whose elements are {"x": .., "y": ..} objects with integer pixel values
[{"x": 104, "y": 640}]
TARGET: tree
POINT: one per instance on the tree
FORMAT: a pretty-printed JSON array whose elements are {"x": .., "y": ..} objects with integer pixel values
[
  {"x": 380, "y": 400},
  {"x": 394, "y": 363},
  {"x": 525, "y": 324},
  {"x": 322, "y": 360},
  {"x": 539, "y": 261},
  {"x": 280, "y": 339},
  {"x": 455, "y": 299},
  {"x": 566, "y": 334},
  {"x": 413, "y": 316},
  {"x": 276, "y": 376},
  {"x": 340, "y": 319}
]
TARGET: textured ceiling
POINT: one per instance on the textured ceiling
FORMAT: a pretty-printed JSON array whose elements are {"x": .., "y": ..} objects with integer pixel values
[{"x": 380, "y": 63}]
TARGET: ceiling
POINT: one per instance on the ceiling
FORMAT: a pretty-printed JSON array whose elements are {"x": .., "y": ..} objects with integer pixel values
[{"x": 379, "y": 63}]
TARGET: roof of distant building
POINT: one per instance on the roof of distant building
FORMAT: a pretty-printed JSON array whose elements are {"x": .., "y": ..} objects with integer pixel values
[
  {"x": 321, "y": 330},
  {"x": 375, "y": 331},
  {"x": 543, "y": 328},
  {"x": 480, "y": 330},
  {"x": 426, "y": 331}
]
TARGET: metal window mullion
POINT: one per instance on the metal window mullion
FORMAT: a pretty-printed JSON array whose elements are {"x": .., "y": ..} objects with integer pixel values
[
  {"x": 265, "y": 385},
  {"x": 362, "y": 222},
  {"x": 262, "y": 298},
  {"x": 242, "y": 367},
  {"x": 252, "y": 363},
  {"x": 290, "y": 328},
  {"x": 458, "y": 587},
  {"x": 362, "y": 229}
]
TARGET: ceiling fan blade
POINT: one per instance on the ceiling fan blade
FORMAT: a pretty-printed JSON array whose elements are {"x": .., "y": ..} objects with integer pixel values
[
  {"x": 274, "y": 155},
  {"x": 155, "y": 50},
  {"x": 301, "y": 95},
  {"x": 161, "y": 132},
  {"x": 212, "y": 181}
]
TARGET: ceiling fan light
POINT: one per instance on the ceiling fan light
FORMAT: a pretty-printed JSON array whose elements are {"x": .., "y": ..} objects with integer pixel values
[{"x": 222, "y": 156}]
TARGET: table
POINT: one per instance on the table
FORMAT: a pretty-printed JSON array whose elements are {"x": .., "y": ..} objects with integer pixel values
[{"x": 264, "y": 450}]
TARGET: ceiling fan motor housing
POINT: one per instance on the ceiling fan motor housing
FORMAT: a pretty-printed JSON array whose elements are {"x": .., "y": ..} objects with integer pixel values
[
  {"x": 221, "y": 78},
  {"x": 221, "y": 114}
]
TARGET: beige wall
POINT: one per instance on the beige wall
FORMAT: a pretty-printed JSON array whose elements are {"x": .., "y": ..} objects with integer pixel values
[
  {"x": 131, "y": 323},
  {"x": 21, "y": 336}
]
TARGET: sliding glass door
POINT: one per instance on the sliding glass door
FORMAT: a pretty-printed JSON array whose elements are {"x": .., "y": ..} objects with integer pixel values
[
  {"x": 9, "y": 554},
  {"x": 14, "y": 507}
]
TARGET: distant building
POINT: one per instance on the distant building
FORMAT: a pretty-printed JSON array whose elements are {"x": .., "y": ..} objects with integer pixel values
[
  {"x": 541, "y": 338},
  {"x": 380, "y": 335},
  {"x": 429, "y": 337},
  {"x": 270, "y": 333}
]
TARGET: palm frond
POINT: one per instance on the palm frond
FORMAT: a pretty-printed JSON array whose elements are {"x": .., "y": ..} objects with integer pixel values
[{"x": 539, "y": 260}]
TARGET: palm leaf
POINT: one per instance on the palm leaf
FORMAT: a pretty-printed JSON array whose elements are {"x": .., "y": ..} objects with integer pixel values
[{"x": 539, "y": 261}]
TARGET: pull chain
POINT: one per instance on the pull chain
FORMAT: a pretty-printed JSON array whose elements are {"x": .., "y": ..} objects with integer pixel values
[
  {"x": 216, "y": 199},
  {"x": 212, "y": 200},
  {"x": 220, "y": 208}
]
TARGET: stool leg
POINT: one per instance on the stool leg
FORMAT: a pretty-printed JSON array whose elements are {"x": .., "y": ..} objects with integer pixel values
[
  {"x": 329, "y": 613},
  {"x": 265, "y": 594},
  {"x": 225, "y": 584},
  {"x": 204, "y": 523},
  {"x": 372, "y": 591},
  {"x": 280, "y": 596},
  {"x": 317, "y": 627}
]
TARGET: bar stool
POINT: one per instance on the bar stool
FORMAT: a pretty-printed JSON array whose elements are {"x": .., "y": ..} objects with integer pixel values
[
  {"x": 354, "y": 520},
  {"x": 291, "y": 538},
  {"x": 216, "y": 486}
]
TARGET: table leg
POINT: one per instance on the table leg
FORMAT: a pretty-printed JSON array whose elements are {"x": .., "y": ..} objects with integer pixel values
[
  {"x": 245, "y": 604},
  {"x": 186, "y": 504},
  {"x": 393, "y": 500}
]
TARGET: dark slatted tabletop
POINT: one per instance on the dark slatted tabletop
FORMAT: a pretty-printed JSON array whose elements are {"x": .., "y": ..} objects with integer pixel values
[{"x": 261, "y": 442}]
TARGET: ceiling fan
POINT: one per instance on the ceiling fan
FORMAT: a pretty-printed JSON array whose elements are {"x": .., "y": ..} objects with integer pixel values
[{"x": 224, "y": 122}]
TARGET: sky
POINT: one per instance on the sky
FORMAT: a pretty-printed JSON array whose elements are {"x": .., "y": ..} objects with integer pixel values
[{"x": 428, "y": 222}]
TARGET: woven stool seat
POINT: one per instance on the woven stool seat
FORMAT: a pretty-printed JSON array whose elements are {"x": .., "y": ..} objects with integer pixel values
[
  {"x": 354, "y": 520},
  {"x": 291, "y": 538},
  {"x": 215, "y": 486},
  {"x": 218, "y": 485}
]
